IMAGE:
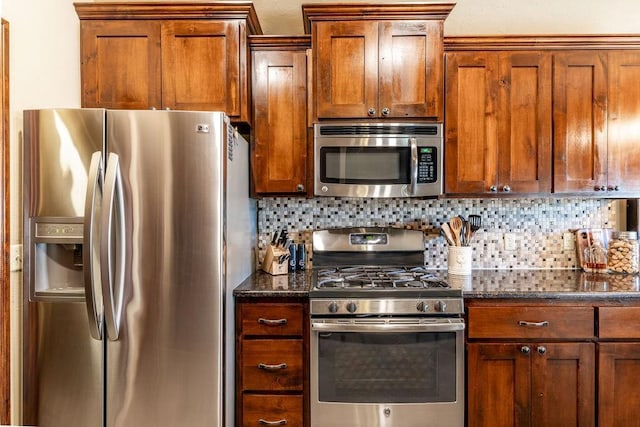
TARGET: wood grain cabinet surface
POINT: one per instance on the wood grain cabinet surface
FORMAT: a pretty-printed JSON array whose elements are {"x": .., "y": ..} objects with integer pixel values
[
  {"x": 272, "y": 362},
  {"x": 281, "y": 148},
  {"x": 544, "y": 375},
  {"x": 618, "y": 366},
  {"x": 377, "y": 61},
  {"x": 596, "y": 100},
  {"x": 498, "y": 123},
  {"x": 185, "y": 56}
]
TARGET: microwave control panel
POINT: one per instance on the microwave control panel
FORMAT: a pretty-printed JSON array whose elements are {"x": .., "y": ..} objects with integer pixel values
[{"x": 427, "y": 165}]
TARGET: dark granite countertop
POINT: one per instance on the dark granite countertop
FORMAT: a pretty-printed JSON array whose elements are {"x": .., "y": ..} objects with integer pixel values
[
  {"x": 534, "y": 284},
  {"x": 261, "y": 284}
]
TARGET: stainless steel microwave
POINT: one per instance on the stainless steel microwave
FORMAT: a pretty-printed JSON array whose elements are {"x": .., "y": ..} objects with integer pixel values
[{"x": 378, "y": 159}]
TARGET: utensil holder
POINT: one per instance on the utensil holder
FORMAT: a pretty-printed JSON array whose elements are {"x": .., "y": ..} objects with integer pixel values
[{"x": 460, "y": 260}]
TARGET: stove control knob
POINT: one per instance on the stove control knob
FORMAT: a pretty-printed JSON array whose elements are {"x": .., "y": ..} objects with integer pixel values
[
  {"x": 441, "y": 306},
  {"x": 422, "y": 306},
  {"x": 333, "y": 307},
  {"x": 352, "y": 307}
]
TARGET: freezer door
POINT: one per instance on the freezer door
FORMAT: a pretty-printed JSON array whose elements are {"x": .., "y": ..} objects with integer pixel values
[
  {"x": 63, "y": 366},
  {"x": 165, "y": 367}
]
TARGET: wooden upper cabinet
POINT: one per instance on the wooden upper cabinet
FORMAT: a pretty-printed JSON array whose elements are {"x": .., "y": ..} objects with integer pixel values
[
  {"x": 498, "y": 127},
  {"x": 580, "y": 121},
  {"x": 471, "y": 144},
  {"x": 120, "y": 64},
  {"x": 624, "y": 124},
  {"x": 201, "y": 66},
  {"x": 279, "y": 149},
  {"x": 186, "y": 56},
  {"x": 377, "y": 61}
]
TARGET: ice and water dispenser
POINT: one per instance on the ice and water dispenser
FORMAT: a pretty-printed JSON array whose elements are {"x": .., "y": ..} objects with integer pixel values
[{"x": 58, "y": 146}]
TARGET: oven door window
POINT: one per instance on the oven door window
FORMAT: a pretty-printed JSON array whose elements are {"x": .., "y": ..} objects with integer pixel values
[
  {"x": 386, "y": 367},
  {"x": 365, "y": 165}
]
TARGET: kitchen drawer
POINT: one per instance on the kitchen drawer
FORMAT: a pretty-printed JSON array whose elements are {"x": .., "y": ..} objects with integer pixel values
[
  {"x": 619, "y": 322},
  {"x": 272, "y": 364},
  {"x": 272, "y": 319},
  {"x": 261, "y": 410},
  {"x": 531, "y": 322}
]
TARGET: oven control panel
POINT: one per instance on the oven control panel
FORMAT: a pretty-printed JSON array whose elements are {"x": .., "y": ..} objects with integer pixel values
[{"x": 368, "y": 306}]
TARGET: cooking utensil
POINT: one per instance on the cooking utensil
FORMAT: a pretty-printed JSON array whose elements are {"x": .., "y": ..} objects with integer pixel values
[
  {"x": 448, "y": 234},
  {"x": 455, "y": 224},
  {"x": 476, "y": 222}
]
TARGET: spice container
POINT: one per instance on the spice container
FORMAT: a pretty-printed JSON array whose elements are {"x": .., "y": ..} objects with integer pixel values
[{"x": 622, "y": 256}]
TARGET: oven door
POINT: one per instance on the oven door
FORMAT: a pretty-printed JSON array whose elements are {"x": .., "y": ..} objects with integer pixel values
[{"x": 387, "y": 372}]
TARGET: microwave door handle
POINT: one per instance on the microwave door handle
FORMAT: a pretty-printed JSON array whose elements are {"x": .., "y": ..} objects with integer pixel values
[{"x": 414, "y": 166}]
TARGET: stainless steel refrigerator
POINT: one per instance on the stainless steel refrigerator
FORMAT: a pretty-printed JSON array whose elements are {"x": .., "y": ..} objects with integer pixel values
[{"x": 137, "y": 226}]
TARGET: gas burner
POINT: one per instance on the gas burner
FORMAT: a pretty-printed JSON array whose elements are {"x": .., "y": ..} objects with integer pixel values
[{"x": 378, "y": 277}]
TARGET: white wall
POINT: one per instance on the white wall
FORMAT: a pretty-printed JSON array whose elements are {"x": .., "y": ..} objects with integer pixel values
[
  {"x": 44, "y": 47},
  {"x": 44, "y": 72}
]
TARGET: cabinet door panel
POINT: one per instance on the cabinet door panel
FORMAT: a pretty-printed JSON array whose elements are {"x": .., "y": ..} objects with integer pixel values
[
  {"x": 200, "y": 66},
  {"x": 260, "y": 409},
  {"x": 618, "y": 373},
  {"x": 563, "y": 384},
  {"x": 120, "y": 64},
  {"x": 580, "y": 124},
  {"x": 624, "y": 131},
  {"x": 347, "y": 68},
  {"x": 525, "y": 122},
  {"x": 471, "y": 153},
  {"x": 499, "y": 384},
  {"x": 411, "y": 61},
  {"x": 280, "y": 104}
]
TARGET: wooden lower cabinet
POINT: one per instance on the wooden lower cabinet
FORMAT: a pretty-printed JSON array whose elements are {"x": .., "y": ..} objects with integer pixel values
[
  {"x": 264, "y": 410},
  {"x": 272, "y": 362},
  {"x": 531, "y": 384},
  {"x": 618, "y": 394},
  {"x": 530, "y": 365}
]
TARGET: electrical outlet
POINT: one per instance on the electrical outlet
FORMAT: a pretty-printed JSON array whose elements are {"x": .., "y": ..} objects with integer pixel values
[
  {"x": 15, "y": 258},
  {"x": 509, "y": 241},
  {"x": 568, "y": 241}
]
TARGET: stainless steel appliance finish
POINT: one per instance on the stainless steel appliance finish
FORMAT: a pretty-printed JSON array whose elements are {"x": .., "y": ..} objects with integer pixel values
[
  {"x": 378, "y": 159},
  {"x": 387, "y": 340},
  {"x": 161, "y": 211}
]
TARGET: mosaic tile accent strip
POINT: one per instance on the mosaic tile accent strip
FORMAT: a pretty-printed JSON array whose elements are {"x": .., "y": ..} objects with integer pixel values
[{"x": 538, "y": 224}]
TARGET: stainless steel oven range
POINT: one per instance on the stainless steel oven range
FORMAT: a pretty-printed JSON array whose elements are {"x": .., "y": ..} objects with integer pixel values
[{"x": 387, "y": 334}]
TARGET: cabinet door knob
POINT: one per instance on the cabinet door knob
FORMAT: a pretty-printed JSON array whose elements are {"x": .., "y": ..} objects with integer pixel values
[
  {"x": 493, "y": 189},
  {"x": 300, "y": 188},
  {"x": 525, "y": 349},
  {"x": 506, "y": 189},
  {"x": 613, "y": 188},
  {"x": 385, "y": 111},
  {"x": 542, "y": 349},
  {"x": 599, "y": 188},
  {"x": 371, "y": 111}
]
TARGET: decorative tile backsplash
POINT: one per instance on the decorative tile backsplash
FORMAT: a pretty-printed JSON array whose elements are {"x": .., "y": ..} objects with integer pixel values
[{"x": 538, "y": 224}]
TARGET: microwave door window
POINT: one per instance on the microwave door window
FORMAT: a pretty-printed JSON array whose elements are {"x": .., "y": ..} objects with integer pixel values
[{"x": 365, "y": 165}]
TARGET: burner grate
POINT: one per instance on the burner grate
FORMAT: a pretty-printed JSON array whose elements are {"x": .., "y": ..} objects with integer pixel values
[{"x": 376, "y": 277}]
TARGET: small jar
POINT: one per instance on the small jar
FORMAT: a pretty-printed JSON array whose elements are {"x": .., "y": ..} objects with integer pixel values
[{"x": 622, "y": 256}]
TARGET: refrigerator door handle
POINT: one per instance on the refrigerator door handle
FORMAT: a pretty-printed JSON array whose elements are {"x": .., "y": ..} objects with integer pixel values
[
  {"x": 112, "y": 245},
  {"x": 93, "y": 298}
]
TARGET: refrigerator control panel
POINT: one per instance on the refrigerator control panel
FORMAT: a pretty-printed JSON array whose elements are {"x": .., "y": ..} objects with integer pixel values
[{"x": 59, "y": 230}]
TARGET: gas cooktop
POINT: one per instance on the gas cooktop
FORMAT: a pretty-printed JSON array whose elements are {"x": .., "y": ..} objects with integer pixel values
[{"x": 378, "y": 278}]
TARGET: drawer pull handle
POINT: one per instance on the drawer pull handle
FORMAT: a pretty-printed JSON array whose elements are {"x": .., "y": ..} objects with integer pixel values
[
  {"x": 272, "y": 367},
  {"x": 272, "y": 322},
  {"x": 534, "y": 324},
  {"x": 272, "y": 423}
]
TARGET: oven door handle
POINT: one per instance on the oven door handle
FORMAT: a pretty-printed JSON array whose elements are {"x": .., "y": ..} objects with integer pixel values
[{"x": 388, "y": 327}]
